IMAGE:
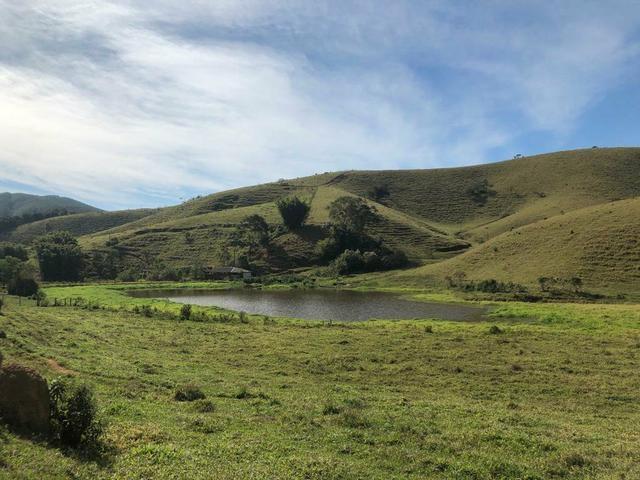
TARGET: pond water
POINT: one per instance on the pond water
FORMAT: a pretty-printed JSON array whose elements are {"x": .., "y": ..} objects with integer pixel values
[{"x": 318, "y": 304}]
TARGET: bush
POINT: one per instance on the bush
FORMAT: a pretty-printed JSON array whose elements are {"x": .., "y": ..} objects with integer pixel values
[
  {"x": 349, "y": 261},
  {"x": 185, "y": 312},
  {"x": 129, "y": 275},
  {"x": 22, "y": 287},
  {"x": 204, "y": 406},
  {"x": 294, "y": 212},
  {"x": 188, "y": 393},
  {"x": 73, "y": 414},
  {"x": 352, "y": 261}
]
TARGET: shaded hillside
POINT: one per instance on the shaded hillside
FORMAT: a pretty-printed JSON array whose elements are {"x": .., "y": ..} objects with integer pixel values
[
  {"x": 78, "y": 224},
  {"x": 18, "y": 204},
  {"x": 599, "y": 244}
]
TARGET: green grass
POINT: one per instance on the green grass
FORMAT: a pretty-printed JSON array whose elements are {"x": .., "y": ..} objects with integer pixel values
[{"x": 553, "y": 395}]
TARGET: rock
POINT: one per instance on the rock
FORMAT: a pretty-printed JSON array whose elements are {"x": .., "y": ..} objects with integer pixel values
[{"x": 24, "y": 399}]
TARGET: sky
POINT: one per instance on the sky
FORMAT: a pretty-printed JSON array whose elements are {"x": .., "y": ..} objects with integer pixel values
[{"x": 132, "y": 103}]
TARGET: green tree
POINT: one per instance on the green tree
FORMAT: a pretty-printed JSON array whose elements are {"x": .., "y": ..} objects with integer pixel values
[
  {"x": 13, "y": 250},
  {"x": 59, "y": 257},
  {"x": 351, "y": 214},
  {"x": 294, "y": 212},
  {"x": 10, "y": 268}
]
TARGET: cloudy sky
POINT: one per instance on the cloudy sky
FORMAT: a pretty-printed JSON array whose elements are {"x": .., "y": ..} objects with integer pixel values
[{"x": 128, "y": 103}]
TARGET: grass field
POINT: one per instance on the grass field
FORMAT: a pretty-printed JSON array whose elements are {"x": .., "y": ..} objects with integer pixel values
[{"x": 554, "y": 394}]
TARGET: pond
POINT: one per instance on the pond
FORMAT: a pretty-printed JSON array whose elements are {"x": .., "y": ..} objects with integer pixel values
[{"x": 319, "y": 304}]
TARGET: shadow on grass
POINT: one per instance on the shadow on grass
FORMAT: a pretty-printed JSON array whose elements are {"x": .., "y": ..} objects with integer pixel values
[{"x": 99, "y": 452}]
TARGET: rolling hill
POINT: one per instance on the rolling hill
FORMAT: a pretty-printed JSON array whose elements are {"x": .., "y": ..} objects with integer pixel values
[
  {"x": 78, "y": 224},
  {"x": 17, "y": 204},
  {"x": 564, "y": 213},
  {"x": 600, "y": 244}
]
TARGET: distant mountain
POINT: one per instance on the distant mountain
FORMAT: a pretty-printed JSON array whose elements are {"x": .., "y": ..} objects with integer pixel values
[{"x": 19, "y": 204}]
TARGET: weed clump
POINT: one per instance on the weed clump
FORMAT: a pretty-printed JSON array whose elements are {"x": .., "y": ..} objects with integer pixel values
[
  {"x": 331, "y": 409},
  {"x": 243, "y": 393},
  {"x": 74, "y": 421},
  {"x": 204, "y": 406},
  {"x": 188, "y": 393}
]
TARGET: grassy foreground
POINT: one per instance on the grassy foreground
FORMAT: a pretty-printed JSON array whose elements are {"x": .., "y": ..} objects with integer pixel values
[{"x": 554, "y": 394}]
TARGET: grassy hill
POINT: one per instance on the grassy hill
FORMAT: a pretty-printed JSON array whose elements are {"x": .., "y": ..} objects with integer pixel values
[
  {"x": 600, "y": 244},
  {"x": 508, "y": 220},
  {"x": 78, "y": 224},
  {"x": 17, "y": 204}
]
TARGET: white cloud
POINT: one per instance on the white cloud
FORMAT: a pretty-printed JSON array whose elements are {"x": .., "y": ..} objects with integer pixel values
[{"x": 120, "y": 104}]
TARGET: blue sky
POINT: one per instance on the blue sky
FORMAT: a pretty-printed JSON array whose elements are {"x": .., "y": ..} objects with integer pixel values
[{"x": 127, "y": 103}]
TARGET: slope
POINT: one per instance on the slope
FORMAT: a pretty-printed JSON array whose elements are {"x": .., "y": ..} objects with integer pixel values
[
  {"x": 78, "y": 224},
  {"x": 599, "y": 244},
  {"x": 482, "y": 201},
  {"x": 432, "y": 214}
]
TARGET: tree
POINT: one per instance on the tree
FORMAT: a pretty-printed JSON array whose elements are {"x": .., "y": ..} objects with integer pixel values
[
  {"x": 294, "y": 212},
  {"x": 13, "y": 250},
  {"x": 59, "y": 257},
  {"x": 10, "y": 267},
  {"x": 351, "y": 214},
  {"x": 22, "y": 286}
]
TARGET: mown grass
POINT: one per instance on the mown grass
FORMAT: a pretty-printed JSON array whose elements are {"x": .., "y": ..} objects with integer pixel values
[{"x": 551, "y": 393}]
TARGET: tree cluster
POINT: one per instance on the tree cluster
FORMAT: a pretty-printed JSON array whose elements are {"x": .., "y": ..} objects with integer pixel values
[{"x": 59, "y": 256}]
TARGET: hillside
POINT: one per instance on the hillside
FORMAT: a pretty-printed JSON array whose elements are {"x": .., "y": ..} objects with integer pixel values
[
  {"x": 600, "y": 244},
  {"x": 78, "y": 224},
  {"x": 17, "y": 204},
  {"x": 506, "y": 220}
]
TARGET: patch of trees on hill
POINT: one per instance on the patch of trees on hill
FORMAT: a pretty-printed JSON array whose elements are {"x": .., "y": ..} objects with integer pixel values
[
  {"x": 7, "y": 224},
  {"x": 348, "y": 247}
]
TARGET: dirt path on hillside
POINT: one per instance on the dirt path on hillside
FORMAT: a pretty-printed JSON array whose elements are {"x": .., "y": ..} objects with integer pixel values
[{"x": 56, "y": 367}]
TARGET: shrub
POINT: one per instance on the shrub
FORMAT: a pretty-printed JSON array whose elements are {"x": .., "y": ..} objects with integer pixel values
[
  {"x": 204, "y": 406},
  {"x": 188, "y": 393},
  {"x": 73, "y": 414},
  {"x": 185, "y": 312},
  {"x": 378, "y": 192},
  {"x": 349, "y": 261},
  {"x": 22, "y": 287},
  {"x": 352, "y": 261},
  {"x": 294, "y": 212},
  {"x": 331, "y": 409},
  {"x": 129, "y": 275}
]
